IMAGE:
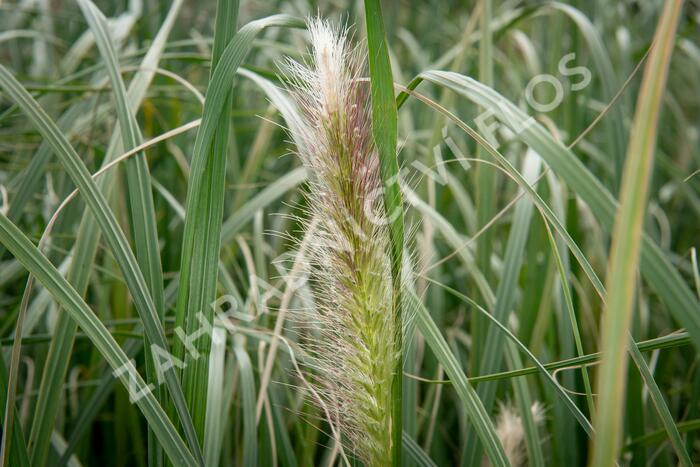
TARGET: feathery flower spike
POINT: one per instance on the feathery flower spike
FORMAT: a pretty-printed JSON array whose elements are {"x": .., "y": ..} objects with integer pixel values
[{"x": 349, "y": 265}]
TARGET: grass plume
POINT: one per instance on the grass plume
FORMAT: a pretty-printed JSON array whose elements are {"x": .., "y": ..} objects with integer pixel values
[
  {"x": 511, "y": 432},
  {"x": 349, "y": 263}
]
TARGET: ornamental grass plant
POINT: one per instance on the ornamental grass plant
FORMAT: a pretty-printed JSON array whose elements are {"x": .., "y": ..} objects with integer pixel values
[{"x": 208, "y": 212}]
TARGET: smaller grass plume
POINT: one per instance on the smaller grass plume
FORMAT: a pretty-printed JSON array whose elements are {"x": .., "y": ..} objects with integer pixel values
[
  {"x": 353, "y": 339},
  {"x": 510, "y": 430}
]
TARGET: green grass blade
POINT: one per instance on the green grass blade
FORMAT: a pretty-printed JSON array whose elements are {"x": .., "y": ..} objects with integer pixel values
[
  {"x": 572, "y": 317},
  {"x": 27, "y": 182},
  {"x": 37, "y": 264},
  {"x": 549, "y": 215},
  {"x": 17, "y": 447},
  {"x": 58, "y": 358},
  {"x": 204, "y": 205},
  {"x": 203, "y": 219},
  {"x": 250, "y": 438},
  {"x": 472, "y": 404},
  {"x": 279, "y": 99},
  {"x": 484, "y": 180},
  {"x": 524, "y": 401},
  {"x": 415, "y": 452},
  {"x": 626, "y": 243},
  {"x": 385, "y": 133},
  {"x": 669, "y": 341},
  {"x": 659, "y": 436},
  {"x": 143, "y": 217},
  {"x": 10, "y": 381},
  {"x": 491, "y": 354},
  {"x": 138, "y": 177},
  {"x": 216, "y": 418},
  {"x": 660, "y": 404}
]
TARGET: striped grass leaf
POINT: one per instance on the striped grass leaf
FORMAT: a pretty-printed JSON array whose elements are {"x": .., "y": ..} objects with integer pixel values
[
  {"x": 603, "y": 63},
  {"x": 244, "y": 214},
  {"x": 110, "y": 229},
  {"x": 669, "y": 341},
  {"x": 546, "y": 212},
  {"x": 566, "y": 290},
  {"x": 143, "y": 220},
  {"x": 649, "y": 381},
  {"x": 143, "y": 217},
  {"x": 204, "y": 205},
  {"x": 77, "y": 116},
  {"x": 635, "y": 353},
  {"x": 203, "y": 216},
  {"x": 10, "y": 381},
  {"x": 27, "y": 182},
  {"x": 512, "y": 264},
  {"x": 247, "y": 381},
  {"x": 215, "y": 419},
  {"x": 101, "y": 394},
  {"x": 659, "y": 436},
  {"x": 37, "y": 264},
  {"x": 525, "y": 402},
  {"x": 415, "y": 453},
  {"x": 58, "y": 359},
  {"x": 507, "y": 166},
  {"x": 626, "y": 242},
  {"x": 472, "y": 404},
  {"x": 672, "y": 430},
  {"x": 485, "y": 179},
  {"x": 385, "y": 132}
]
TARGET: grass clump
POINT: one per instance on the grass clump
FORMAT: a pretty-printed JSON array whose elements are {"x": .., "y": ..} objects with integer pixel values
[{"x": 511, "y": 136}]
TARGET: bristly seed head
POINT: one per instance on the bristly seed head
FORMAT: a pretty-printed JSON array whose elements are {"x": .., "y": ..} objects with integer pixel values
[
  {"x": 353, "y": 345},
  {"x": 511, "y": 432}
]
